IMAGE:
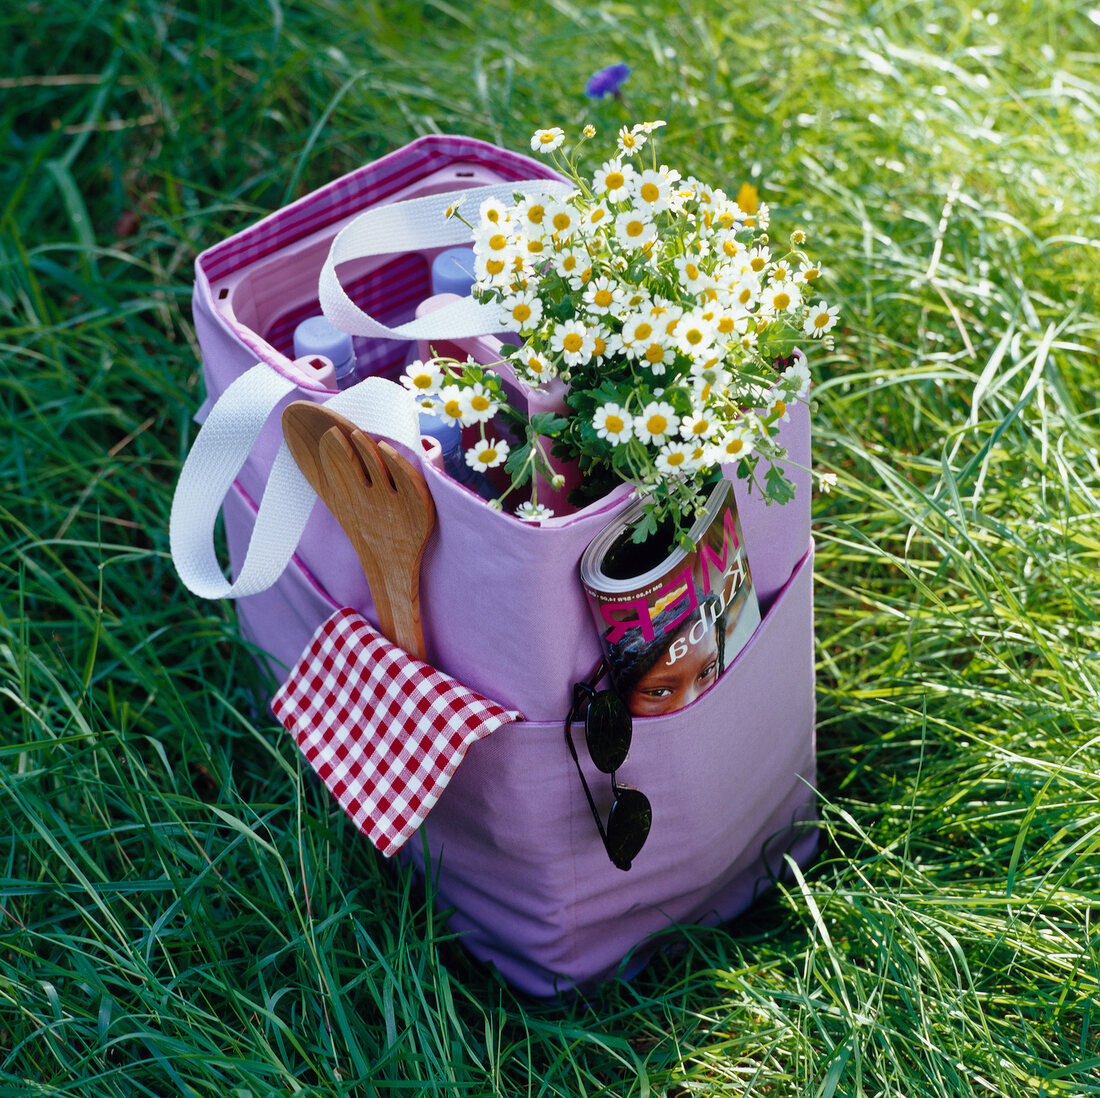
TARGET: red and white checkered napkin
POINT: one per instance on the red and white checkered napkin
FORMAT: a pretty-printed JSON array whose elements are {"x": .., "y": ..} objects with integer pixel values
[{"x": 384, "y": 731}]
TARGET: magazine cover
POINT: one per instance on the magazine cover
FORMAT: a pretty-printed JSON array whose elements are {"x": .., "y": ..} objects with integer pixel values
[{"x": 669, "y": 631}]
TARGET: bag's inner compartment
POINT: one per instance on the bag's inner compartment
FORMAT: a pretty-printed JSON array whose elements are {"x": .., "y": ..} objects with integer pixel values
[{"x": 271, "y": 295}]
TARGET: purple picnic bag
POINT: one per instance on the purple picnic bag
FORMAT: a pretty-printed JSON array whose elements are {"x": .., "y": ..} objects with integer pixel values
[{"x": 510, "y": 841}]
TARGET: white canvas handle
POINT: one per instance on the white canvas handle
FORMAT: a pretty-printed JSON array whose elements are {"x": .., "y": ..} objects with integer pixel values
[
  {"x": 414, "y": 225},
  {"x": 218, "y": 455},
  {"x": 375, "y": 405}
]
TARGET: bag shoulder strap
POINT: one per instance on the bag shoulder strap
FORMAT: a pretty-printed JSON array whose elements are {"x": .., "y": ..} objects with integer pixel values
[{"x": 218, "y": 455}]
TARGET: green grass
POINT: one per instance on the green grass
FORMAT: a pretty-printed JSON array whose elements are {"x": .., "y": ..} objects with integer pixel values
[{"x": 182, "y": 912}]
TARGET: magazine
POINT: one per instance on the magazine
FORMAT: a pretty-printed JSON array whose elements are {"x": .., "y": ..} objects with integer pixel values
[{"x": 670, "y": 630}]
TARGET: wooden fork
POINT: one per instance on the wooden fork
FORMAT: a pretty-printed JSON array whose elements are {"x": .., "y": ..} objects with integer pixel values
[{"x": 382, "y": 503}]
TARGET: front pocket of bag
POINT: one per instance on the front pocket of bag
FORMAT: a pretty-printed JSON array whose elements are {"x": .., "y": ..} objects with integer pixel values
[{"x": 517, "y": 851}]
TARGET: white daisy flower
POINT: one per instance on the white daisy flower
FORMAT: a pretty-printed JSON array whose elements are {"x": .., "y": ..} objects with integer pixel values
[
  {"x": 630, "y": 141},
  {"x": 450, "y": 406},
  {"x": 755, "y": 260},
  {"x": 533, "y": 512},
  {"x": 493, "y": 213},
  {"x": 695, "y": 334},
  {"x": 421, "y": 378},
  {"x": 480, "y": 405},
  {"x": 534, "y": 365},
  {"x": 637, "y": 332},
  {"x": 561, "y": 220},
  {"x": 690, "y": 274},
  {"x": 546, "y": 141},
  {"x": 531, "y": 214},
  {"x": 633, "y": 229},
  {"x": 522, "y": 311},
  {"x": 657, "y": 422},
  {"x": 737, "y": 442},
  {"x": 745, "y": 292},
  {"x": 698, "y": 426},
  {"x": 675, "y": 457},
  {"x": 658, "y": 356},
  {"x": 797, "y": 377},
  {"x": 820, "y": 318},
  {"x": 652, "y": 191},
  {"x": 604, "y": 343},
  {"x": 614, "y": 423},
  {"x": 574, "y": 265},
  {"x": 612, "y": 180},
  {"x": 596, "y": 216},
  {"x": 602, "y": 295},
  {"x": 781, "y": 297},
  {"x": 487, "y": 454},
  {"x": 572, "y": 341}
]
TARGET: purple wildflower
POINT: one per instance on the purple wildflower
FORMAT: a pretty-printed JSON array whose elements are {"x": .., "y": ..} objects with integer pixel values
[{"x": 607, "y": 81}]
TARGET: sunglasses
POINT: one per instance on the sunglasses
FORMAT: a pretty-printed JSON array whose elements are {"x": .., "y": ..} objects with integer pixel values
[{"x": 608, "y": 729}]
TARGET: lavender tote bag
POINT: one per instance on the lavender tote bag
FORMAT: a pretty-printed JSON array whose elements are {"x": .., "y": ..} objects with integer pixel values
[{"x": 512, "y": 842}]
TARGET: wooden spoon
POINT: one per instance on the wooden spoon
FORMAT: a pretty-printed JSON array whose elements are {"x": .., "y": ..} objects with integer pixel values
[{"x": 382, "y": 503}]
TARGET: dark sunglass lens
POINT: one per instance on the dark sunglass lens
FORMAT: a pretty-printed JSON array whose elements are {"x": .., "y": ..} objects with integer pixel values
[
  {"x": 628, "y": 826},
  {"x": 607, "y": 729}
]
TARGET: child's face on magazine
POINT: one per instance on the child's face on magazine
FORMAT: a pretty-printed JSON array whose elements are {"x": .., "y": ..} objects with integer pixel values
[{"x": 667, "y": 687}]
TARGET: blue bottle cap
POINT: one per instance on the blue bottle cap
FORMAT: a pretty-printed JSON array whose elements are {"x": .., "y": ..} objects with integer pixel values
[
  {"x": 453, "y": 272},
  {"x": 316, "y": 336}
]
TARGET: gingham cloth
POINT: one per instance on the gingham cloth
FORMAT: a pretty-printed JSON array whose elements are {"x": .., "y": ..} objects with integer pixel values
[{"x": 384, "y": 731}]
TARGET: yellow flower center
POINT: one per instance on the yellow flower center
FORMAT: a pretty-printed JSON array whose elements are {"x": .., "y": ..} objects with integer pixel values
[
  {"x": 479, "y": 402},
  {"x": 535, "y": 214},
  {"x": 656, "y": 425},
  {"x": 569, "y": 262},
  {"x": 699, "y": 427},
  {"x": 676, "y": 457},
  {"x": 562, "y": 221},
  {"x": 650, "y": 192},
  {"x": 693, "y": 336},
  {"x": 725, "y": 325},
  {"x": 488, "y": 455},
  {"x": 821, "y": 320},
  {"x": 494, "y": 266},
  {"x": 748, "y": 198},
  {"x": 615, "y": 180},
  {"x": 599, "y": 346},
  {"x": 757, "y": 263},
  {"x": 597, "y": 215},
  {"x": 603, "y": 298},
  {"x": 498, "y": 242},
  {"x": 781, "y": 300},
  {"x": 423, "y": 381},
  {"x": 453, "y": 408},
  {"x": 731, "y": 248},
  {"x": 810, "y": 274},
  {"x": 534, "y": 364},
  {"x": 535, "y": 245},
  {"x": 572, "y": 342},
  {"x": 547, "y": 138},
  {"x": 745, "y": 296},
  {"x": 691, "y": 271},
  {"x": 643, "y": 331},
  {"x": 635, "y": 228},
  {"x": 654, "y": 353},
  {"x": 734, "y": 446},
  {"x": 492, "y": 215},
  {"x": 614, "y": 424},
  {"x": 778, "y": 408},
  {"x": 522, "y": 312}
]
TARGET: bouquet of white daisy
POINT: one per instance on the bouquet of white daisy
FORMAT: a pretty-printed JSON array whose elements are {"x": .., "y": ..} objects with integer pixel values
[{"x": 663, "y": 306}]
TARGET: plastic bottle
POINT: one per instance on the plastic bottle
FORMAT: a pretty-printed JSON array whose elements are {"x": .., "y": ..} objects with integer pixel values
[{"x": 317, "y": 336}]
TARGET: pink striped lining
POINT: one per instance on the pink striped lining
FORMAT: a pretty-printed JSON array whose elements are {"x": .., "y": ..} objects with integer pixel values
[{"x": 350, "y": 194}]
